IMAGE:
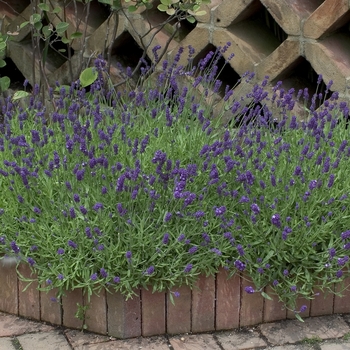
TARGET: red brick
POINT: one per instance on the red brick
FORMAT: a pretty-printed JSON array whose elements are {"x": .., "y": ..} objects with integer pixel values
[
  {"x": 124, "y": 316},
  {"x": 252, "y": 305},
  {"x": 8, "y": 289},
  {"x": 274, "y": 310},
  {"x": 322, "y": 304},
  {"x": 299, "y": 303},
  {"x": 179, "y": 315},
  {"x": 28, "y": 300},
  {"x": 50, "y": 310},
  {"x": 203, "y": 304},
  {"x": 70, "y": 302},
  {"x": 96, "y": 313},
  {"x": 153, "y": 312},
  {"x": 342, "y": 304},
  {"x": 228, "y": 294}
]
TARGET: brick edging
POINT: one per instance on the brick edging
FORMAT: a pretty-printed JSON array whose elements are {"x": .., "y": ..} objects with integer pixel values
[{"x": 216, "y": 303}]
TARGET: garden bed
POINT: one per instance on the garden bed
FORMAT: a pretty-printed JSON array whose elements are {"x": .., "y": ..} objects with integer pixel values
[{"x": 216, "y": 303}]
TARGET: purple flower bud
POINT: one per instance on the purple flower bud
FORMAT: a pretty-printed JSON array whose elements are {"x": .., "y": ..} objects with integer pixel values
[
  {"x": 60, "y": 251},
  {"x": 31, "y": 261},
  {"x": 72, "y": 244},
  {"x": 188, "y": 268},
  {"x": 285, "y": 272},
  {"x": 166, "y": 238},
  {"x": 150, "y": 270},
  {"x": 249, "y": 290},
  {"x": 37, "y": 210},
  {"x": 97, "y": 206},
  {"x": 103, "y": 273},
  {"x": 303, "y": 308},
  {"x": 93, "y": 277},
  {"x": 116, "y": 279},
  {"x": 240, "y": 250},
  {"x": 276, "y": 220},
  {"x": 239, "y": 265},
  {"x": 255, "y": 208},
  {"x": 192, "y": 250}
]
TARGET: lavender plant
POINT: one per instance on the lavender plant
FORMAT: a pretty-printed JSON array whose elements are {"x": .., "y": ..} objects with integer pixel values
[{"x": 147, "y": 188}]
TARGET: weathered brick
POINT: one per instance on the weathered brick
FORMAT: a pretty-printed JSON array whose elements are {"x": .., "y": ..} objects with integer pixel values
[
  {"x": 330, "y": 15},
  {"x": 70, "y": 304},
  {"x": 322, "y": 304},
  {"x": 274, "y": 309},
  {"x": 28, "y": 299},
  {"x": 231, "y": 11},
  {"x": 179, "y": 315},
  {"x": 252, "y": 305},
  {"x": 331, "y": 58},
  {"x": 41, "y": 341},
  {"x": 124, "y": 316},
  {"x": 279, "y": 60},
  {"x": 153, "y": 312},
  {"x": 342, "y": 304},
  {"x": 8, "y": 289},
  {"x": 299, "y": 303},
  {"x": 246, "y": 55},
  {"x": 287, "y": 14},
  {"x": 228, "y": 292},
  {"x": 203, "y": 304},
  {"x": 96, "y": 314},
  {"x": 50, "y": 307},
  {"x": 241, "y": 340}
]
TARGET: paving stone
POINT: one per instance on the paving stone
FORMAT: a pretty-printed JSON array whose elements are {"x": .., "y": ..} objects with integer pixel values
[
  {"x": 6, "y": 343},
  {"x": 240, "y": 340},
  {"x": 292, "y": 347},
  {"x": 194, "y": 342},
  {"x": 44, "y": 341},
  {"x": 293, "y": 331},
  {"x": 78, "y": 338},
  {"x": 335, "y": 346},
  {"x": 12, "y": 325},
  {"x": 152, "y": 343}
]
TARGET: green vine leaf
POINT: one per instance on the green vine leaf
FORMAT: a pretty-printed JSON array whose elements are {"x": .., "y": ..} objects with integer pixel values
[{"x": 88, "y": 76}]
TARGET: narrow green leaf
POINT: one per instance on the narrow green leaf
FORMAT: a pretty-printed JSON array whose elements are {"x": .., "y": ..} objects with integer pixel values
[
  {"x": 299, "y": 318},
  {"x": 266, "y": 296}
]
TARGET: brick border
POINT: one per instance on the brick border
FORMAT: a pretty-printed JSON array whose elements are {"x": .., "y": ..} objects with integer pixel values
[{"x": 215, "y": 303}]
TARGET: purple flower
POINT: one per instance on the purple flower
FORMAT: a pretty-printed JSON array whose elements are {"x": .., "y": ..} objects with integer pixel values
[
  {"x": 339, "y": 273},
  {"x": 72, "y": 244},
  {"x": 276, "y": 220},
  {"x": 60, "y": 251},
  {"x": 128, "y": 255},
  {"x": 103, "y": 273},
  {"x": 60, "y": 277},
  {"x": 285, "y": 272},
  {"x": 166, "y": 238},
  {"x": 345, "y": 235},
  {"x": 80, "y": 174},
  {"x": 176, "y": 294},
  {"x": 303, "y": 308},
  {"x": 274, "y": 283},
  {"x": 93, "y": 277},
  {"x": 72, "y": 212},
  {"x": 216, "y": 251},
  {"x": 255, "y": 208},
  {"x": 14, "y": 247},
  {"x": 37, "y": 210},
  {"x": 83, "y": 210},
  {"x": 76, "y": 198},
  {"x": 97, "y": 206},
  {"x": 220, "y": 210},
  {"x": 343, "y": 261},
  {"x": 192, "y": 250},
  {"x": 240, "y": 250},
  {"x": 249, "y": 290},
  {"x": 181, "y": 237},
  {"x": 116, "y": 279},
  {"x": 150, "y": 270},
  {"x": 293, "y": 288},
  {"x": 31, "y": 261},
  {"x": 188, "y": 268},
  {"x": 168, "y": 217},
  {"x": 239, "y": 265},
  {"x": 332, "y": 252},
  {"x": 312, "y": 184},
  {"x": 20, "y": 199}
]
